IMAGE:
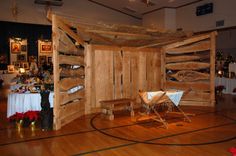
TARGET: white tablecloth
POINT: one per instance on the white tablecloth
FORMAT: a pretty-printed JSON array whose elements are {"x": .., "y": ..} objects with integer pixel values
[
  {"x": 174, "y": 96},
  {"x": 25, "y": 102},
  {"x": 229, "y": 84}
]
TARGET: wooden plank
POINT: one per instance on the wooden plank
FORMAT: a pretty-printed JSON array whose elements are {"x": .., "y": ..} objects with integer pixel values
[
  {"x": 195, "y": 103},
  {"x": 142, "y": 78},
  {"x": 163, "y": 69},
  {"x": 103, "y": 75},
  {"x": 72, "y": 72},
  {"x": 200, "y": 46},
  {"x": 187, "y": 66},
  {"x": 187, "y": 41},
  {"x": 149, "y": 71},
  {"x": 72, "y": 60},
  {"x": 66, "y": 45},
  {"x": 197, "y": 86},
  {"x": 95, "y": 35},
  {"x": 190, "y": 75},
  {"x": 72, "y": 108},
  {"x": 157, "y": 70},
  {"x": 68, "y": 83},
  {"x": 134, "y": 74},
  {"x": 65, "y": 97},
  {"x": 56, "y": 77},
  {"x": 158, "y": 43},
  {"x": 67, "y": 29},
  {"x": 71, "y": 112},
  {"x": 89, "y": 83},
  {"x": 184, "y": 58},
  {"x": 126, "y": 74},
  {"x": 136, "y": 35},
  {"x": 118, "y": 67},
  {"x": 197, "y": 96},
  {"x": 212, "y": 68}
]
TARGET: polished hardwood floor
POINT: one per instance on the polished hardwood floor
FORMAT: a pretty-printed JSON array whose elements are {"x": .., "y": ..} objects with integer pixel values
[{"x": 211, "y": 133}]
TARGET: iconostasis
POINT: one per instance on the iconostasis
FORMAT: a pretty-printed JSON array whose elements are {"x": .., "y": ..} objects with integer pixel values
[
  {"x": 44, "y": 52},
  {"x": 19, "y": 53}
]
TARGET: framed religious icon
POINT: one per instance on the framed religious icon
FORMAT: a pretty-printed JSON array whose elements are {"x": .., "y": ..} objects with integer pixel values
[
  {"x": 21, "y": 57},
  {"x": 24, "y": 48},
  {"x": 46, "y": 47},
  {"x": 15, "y": 47}
]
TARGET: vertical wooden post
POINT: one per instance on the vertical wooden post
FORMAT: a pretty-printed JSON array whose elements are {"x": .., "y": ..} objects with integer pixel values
[
  {"x": 163, "y": 68},
  {"x": 88, "y": 78},
  {"x": 56, "y": 103},
  {"x": 212, "y": 68}
]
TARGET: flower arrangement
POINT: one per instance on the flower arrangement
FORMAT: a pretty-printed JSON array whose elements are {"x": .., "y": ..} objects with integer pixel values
[
  {"x": 32, "y": 115},
  {"x": 18, "y": 117},
  {"x": 25, "y": 119}
]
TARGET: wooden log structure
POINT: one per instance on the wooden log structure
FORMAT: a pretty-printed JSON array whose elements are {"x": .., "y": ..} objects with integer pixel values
[
  {"x": 116, "y": 61},
  {"x": 195, "y": 70}
]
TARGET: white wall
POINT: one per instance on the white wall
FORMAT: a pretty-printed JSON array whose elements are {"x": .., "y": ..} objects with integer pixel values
[
  {"x": 170, "y": 19},
  {"x": 222, "y": 10},
  {"x": 28, "y": 12},
  {"x": 155, "y": 19},
  {"x": 164, "y": 19}
]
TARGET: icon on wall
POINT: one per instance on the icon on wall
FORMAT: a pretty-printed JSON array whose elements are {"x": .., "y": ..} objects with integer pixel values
[
  {"x": 15, "y": 47},
  {"x": 46, "y": 47}
]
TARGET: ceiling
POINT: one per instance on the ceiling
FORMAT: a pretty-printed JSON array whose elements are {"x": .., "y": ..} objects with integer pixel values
[{"x": 137, "y": 8}]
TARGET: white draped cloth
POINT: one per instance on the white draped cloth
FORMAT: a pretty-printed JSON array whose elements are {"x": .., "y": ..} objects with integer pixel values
[
  {"x": 174, "y": 96},
  {"x": 25, "y": 102}
]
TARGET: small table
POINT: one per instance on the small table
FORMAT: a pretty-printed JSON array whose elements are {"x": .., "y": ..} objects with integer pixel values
[
  {"x": 24, "y": 102},
  {"x": 109, "y": 105}
]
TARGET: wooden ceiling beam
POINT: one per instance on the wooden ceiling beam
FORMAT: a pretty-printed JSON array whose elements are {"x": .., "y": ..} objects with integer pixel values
[
  {"x": 121, "y": 34},
  {"x": 96, "y": 36},
  {"x": 67, "y": 29}
]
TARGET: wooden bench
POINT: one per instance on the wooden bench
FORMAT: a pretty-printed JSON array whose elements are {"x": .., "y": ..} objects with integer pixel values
[{"x": 108, "y": 106}]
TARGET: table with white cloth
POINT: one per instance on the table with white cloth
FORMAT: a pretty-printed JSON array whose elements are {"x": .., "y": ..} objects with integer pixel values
[
  {"x": 174, "y": 96},
  {"x": 229, "y": 84},
  {"x": 23, "y": 102}
]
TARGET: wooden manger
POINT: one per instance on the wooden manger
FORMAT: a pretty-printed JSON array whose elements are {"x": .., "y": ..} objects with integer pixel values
[{"x": 97, "y": 62}]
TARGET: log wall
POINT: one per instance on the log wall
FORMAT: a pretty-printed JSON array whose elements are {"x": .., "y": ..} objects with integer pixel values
[
  {"x": 191, "y": 64},
  {"x": 119, "y": 73},
  {"x": 69, "y": 75}
]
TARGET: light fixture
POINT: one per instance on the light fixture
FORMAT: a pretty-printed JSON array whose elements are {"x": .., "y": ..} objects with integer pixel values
[{"x": 22, "y": 70}]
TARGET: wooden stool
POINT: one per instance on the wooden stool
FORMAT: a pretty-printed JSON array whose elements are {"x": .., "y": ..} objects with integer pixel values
[{"x": 109, "y": 105}]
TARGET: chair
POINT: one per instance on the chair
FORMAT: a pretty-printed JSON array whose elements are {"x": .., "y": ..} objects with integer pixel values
[{"x": 151, "y": 105}]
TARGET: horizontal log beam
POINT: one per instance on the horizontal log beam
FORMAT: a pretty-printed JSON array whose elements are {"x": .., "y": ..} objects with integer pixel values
[
  {"x": 68, "y": 83},
  {"x": 184, "y": 58},
  {"x": 143, "y": 36},
  {"x": 196, "y": 86},
  {"x": 190, "y": 76},
  {"x": 187, "y": 41},
  {"x": 72, "y": 34},
  {"x": 72, "y": 72},
  {"x": 65, "y": 97},
  {"x": 197, "y": 96},
  {"x": 200, "y": 46},
  {"x": 187, "y": 66},
  {"x": 72, "y": 60}
]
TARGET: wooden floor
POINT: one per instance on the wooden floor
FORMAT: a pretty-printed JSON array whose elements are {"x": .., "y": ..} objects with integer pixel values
[{"x": 211, "y": 133}]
